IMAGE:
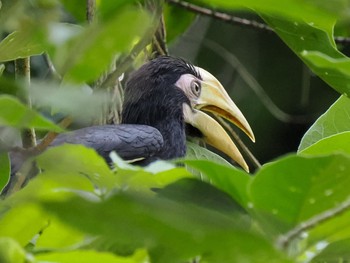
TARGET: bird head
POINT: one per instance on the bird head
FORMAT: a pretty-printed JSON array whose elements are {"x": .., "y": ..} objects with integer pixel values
[{"x": 168, "y": 87}]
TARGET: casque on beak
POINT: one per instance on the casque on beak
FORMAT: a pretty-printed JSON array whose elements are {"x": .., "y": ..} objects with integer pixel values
[{"x": 214, "y": 99}]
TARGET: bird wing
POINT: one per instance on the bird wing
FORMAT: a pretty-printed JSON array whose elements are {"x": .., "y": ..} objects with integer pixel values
[{"x": 129, "y": 141}]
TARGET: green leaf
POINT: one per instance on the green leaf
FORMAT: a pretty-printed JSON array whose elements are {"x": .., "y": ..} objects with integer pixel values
[
  {"x": 315, "y": 45},
  {"x": 162, "y": 225},
  {"x": 334, "y": 230},
  {"x": 11, "y": 251},
  {"x": 156, "y": 175},
  {"x": 13, "y": 113},
  {"x": 227, "y": 178},
  {"x": 334, "y": 120},
  {"x": 320, "y": 14},
  {"x": 22, "y": 222},
  {"x": 57, "y": 235},
  {"x": 21, "y": 44},
  {"x": 334, "y": 252},
  {"x": 108, "y": 9},
  {"x": 331, "y": 144},
  {"x": 190, "y": 190},
  {"x": 334, "y": 69},
  {"x": 194, "y": 151},
  {"x": 90, "y": 256},
  {"x": 295, "y": 188},
  {"x": 177, "y": 20},
  {"x": 77, "y": 159},
  {"x": 5, "y": 169}
]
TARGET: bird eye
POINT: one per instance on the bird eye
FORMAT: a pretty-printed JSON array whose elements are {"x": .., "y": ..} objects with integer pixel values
[{"x": 196, "y": 88}]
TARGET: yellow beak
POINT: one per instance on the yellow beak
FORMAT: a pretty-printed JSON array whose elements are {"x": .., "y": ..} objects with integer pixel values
[{"x": 214, "y": 99}]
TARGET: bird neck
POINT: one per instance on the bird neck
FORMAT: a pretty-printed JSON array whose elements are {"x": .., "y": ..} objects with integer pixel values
[
  {"x": 163, "y": 111},
  {"x": 174, "y": 137}
]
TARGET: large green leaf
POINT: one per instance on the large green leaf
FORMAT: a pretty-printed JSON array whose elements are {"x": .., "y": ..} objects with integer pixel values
[
  {"x": 315, "y": 45},
  {"x": 21, "y": 222},
  {"x": 227, "y": 178},
  {"x": 57, "y": 235},
  {"x": 89, "y": 256},
  {"x": 21, "y": 44},
  {"x": 294, "y": 189},
  {"x": 321, "y": 14},
  {"x": 334, "y": 120},
  {"x": 13, "y": 113},
  {"x": 172, "y": 231}
]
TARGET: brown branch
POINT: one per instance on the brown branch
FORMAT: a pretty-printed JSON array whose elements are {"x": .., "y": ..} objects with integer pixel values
[
  {"x": 51, "y": 136},
  {"x": 228, "y": 18}
]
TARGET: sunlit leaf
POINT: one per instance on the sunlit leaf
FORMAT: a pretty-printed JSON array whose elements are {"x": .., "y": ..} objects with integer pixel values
[
  {"x": 335, "y": 252},
  {"x": 57, "y": 235},
  {"x": 89, "y": 256},
  {"x": 331, "y": 144},
  {"x": 11, "y": 251},
  {"x": 334, "y": 120},
  {"x": 22, "y": 222}
]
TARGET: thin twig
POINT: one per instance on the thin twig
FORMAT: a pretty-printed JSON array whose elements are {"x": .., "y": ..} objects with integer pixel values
[
  {"x": 50, "y": 136},
  {"x": 228, "y": 18},
  {"x": 90, "y": 10},
  {"x": 284, "y": 240},
  {"x": 241, "y": 144},
  {"x": 22, "y": 73},
  {"x": 220, "y": 15}
]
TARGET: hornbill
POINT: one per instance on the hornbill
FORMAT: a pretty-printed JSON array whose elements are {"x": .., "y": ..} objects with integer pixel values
[{"x": 164, "y": 100}]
